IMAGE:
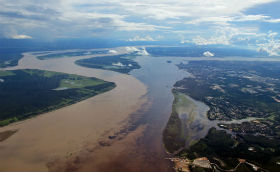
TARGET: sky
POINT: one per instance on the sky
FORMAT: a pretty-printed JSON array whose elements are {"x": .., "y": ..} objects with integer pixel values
[{"x": 246, "y": 23}]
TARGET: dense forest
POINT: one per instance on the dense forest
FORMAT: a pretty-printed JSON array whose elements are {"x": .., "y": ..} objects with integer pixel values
[{"x": 25, "y": 93}]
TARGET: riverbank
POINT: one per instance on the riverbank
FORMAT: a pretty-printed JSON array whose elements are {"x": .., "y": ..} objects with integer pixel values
[{"x": 29, "y": 93}]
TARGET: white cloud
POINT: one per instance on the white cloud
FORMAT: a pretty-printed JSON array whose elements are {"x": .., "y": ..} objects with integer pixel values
[
  {"x": 131, "y": 49},
  {"x": 108, "y": 21},
  {"x": 140, "y": 51},
  {"x": 259, "y": 17},
  {"x": 271, "y": 44},
  {"x": 168, "y": 9},
  {"x": 11, "y": 33},
  {"x": 226, "y": 34},
  {"x": 273, "y": 21},
  {"x": 208, "y": 54},
  {"x": 118, "y": 64},
  {"x": 83, "y": 17},
  {"x": 183, "y": 41},
  {"x": 225, "y": 20},
  {"x": 99, "y": 17},
  {"x": 143, "y": 52},
  {"x": 221, "y": 20},
  {"x": 145, "y": 38},
  {"x": 223, "y": 39},
  {"x": 251, "y": 18},
  {"x": 272, "y": 34},
  {"x": 113, "y": 51},
  {"x": 20, "y": 37},
  {"x": 123, "y": 25}
]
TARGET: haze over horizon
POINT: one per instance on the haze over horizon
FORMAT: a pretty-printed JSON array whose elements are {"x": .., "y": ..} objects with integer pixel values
[{"x": 252, "y": 24}]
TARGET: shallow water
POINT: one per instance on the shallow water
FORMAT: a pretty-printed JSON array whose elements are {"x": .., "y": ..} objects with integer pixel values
[{"x": 193, "y": 115}]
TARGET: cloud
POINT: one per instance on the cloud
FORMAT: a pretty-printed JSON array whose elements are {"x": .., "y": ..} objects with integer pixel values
[
  {"x": 11, "y": 33},
  {"x": 221, "y": 20},
  {"x": 226, "y": 20},
  {"x": 163, "y": 10},
  {"x": 271, "y": 45},
  {"x": 226, "y": 35},
  {"x": 131, "y": 49},
  {"x": 273, "y": 20},
  {"x": 251, "y": 18},
  {"x": 113, "y": 51},
  {"x": 20, "y": 37},
  {"x": 117, "y": 18},
  {"x": 139, "y": 51},
  {"x": 53, "y": 17},
  {"x": 145, "y": 38},
  {"x": 143, "y": 52},
  {"x": 118, "y": 64},
  {"x": 208, "y": 54},
  {"x": 223, "y": 39}
]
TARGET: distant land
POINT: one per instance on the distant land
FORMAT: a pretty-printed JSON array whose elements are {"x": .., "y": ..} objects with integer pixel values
[
  {"x": 71, "y": 54},
  {"x": 119, "y": 63},
  {"x": 11, "y": 50},
  {"x": 26, "y": 93},
  {"x": 199, "y": 51},
  {"x": 10, "y": 57}
]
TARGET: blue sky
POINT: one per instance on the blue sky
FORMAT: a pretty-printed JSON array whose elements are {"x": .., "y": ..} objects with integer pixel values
[{"x": 251, "y": 23}]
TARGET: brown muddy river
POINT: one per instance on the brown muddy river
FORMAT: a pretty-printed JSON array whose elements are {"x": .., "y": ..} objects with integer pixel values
[{"x": 63, "y": 133}]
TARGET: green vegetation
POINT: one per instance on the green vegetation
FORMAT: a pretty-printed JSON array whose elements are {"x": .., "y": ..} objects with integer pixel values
[
  {"x": 185, "y": 124},
  {"x": 9, "y": 57},
  {"x": 5, "y": 73},
  {"x": 236, "y": 90},
  {"x": 76, "y": 82},
  {"x": 71, "y": 54},
  {"x": 173, "y": 135},
  {"x": 182, "y": 103},
  {"x": 218, "y": 145},
  {"x": 118, "y": 63},
  {"x": 26, "y": 93}
]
